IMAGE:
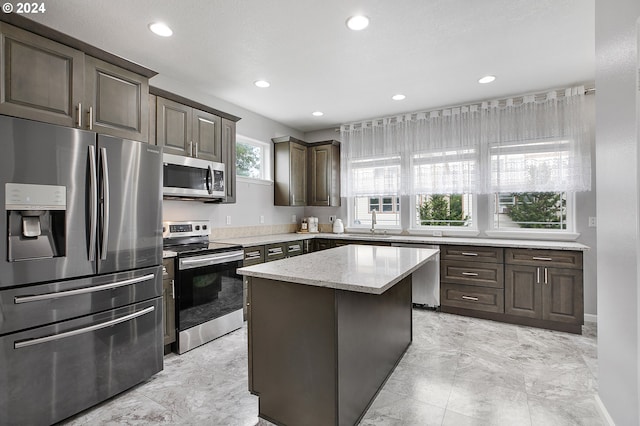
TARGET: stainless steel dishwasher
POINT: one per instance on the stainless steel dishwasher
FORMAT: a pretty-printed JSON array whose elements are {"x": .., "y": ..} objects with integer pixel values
[{"x": 425, "y": 282}]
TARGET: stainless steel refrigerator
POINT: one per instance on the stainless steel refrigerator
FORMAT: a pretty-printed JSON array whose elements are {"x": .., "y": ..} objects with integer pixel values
[{"x": 80, "y": 274}]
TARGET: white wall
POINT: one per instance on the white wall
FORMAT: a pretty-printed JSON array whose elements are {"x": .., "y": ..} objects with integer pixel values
[
  {"x": 617, "y": 205},
  {"x": 253, "y": 200}
]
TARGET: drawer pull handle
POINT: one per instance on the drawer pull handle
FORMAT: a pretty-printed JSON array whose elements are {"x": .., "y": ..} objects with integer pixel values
[
  {"x": 546, "y": 259},
  {"x": 252, "y": 255},
  {"x": 475, "y": 299},
  {"x": 469, "y": 254},
  {"x": 275, "y": 251},
  {"x": 470, "y": 274}
]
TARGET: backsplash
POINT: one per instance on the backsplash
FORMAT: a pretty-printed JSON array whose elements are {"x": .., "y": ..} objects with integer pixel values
[{"x": 248, "y": 231}]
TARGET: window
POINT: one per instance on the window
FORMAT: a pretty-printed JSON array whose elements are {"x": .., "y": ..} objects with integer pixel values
[
  {"x": 444, "y": 210},
  {"x": 252, "y": 158},
  {"x": 532, "y": 210},
  {"x": 387, "y": 210}
]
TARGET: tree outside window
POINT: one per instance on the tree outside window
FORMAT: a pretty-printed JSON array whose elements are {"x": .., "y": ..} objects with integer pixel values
[
  {"x": 444, "y": 210},
  {"x": 538, "y": 210}
]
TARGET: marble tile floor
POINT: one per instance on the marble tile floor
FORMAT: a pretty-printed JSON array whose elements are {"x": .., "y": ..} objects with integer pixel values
[{"x": 458, "y": 371}]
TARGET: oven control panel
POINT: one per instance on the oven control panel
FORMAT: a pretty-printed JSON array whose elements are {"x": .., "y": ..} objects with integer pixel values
[{"x": 193, "y": 228}]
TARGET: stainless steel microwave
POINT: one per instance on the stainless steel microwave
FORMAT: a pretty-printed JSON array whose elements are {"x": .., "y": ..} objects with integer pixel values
[{"x": 188, "y": 177}]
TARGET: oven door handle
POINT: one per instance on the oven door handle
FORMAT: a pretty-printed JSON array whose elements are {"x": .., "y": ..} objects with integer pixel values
[
  {"x": 53, "y": 337},
  {"x": 217, "y": 259},
  {"x": 46, "y": 296}
]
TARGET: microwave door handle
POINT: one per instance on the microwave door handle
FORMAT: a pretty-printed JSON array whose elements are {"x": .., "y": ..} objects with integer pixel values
[
  {"x": 209, "y": 180},
  {"x": 93, "y": 200},
  {"x": 105, "y": 203}
]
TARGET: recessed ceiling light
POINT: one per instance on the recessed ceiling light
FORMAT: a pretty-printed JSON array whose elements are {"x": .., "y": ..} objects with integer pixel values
[
  {"x": 398, "y": 97},
  {"x": 262, "y": 83},
  {"x": 358, "y": 22},
  {"x": 160, "y": 29},
  {"x": 486, "y": 79},
  {"x": 317, "y": 113}
]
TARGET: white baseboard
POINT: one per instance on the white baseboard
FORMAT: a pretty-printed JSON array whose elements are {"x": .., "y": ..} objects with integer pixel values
[
  {"x": 603, "y": 412},
  {"x": 590, "y": 318}
]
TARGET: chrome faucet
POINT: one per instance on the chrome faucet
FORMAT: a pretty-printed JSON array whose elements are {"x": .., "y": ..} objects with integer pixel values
[{"x": 373, "y": 221}]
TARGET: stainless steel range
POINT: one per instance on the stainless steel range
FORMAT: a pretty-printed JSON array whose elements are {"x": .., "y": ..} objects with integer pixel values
[{"x": 208, "y": 289}]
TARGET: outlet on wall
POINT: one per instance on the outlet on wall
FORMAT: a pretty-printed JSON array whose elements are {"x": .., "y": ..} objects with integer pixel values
[
  {"x": 294, "y": 218},
  {"x": 228, "y": 220},
  {"x": 332, "y": 219},
  {"x": 261, "y": 219},
  {"x": 593, "y": 222}
]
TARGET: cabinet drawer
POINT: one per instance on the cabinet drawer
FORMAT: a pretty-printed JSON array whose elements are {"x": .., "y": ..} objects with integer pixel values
[
  {"x": 556, "y": 258},
  {"x": 275, "y": 251},
  {"x": 472, "y": 297},
  {"x": 472, "y": 253},
  {"x": 294, "y": 248},
  {"x": 253, "y": 255},
  {"x": 473, "y": 273}
]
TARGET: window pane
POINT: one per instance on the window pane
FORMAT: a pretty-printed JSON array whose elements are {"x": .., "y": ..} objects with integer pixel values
[
  {"x": 362, "y": 207},
  {"x": 249, "y": 160},
  {"x": 444, "y": 210},
  {"x": 538, "y": 210}
]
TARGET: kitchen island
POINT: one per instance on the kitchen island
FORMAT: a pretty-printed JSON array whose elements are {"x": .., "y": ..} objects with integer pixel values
[{"x": 327, "y": 329}]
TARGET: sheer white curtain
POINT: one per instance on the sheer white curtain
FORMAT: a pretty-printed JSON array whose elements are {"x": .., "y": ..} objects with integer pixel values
[
  {"x": 444, "y": 151},
  {"x": 371, "y": 158},
  {"x": 538, "y": 143},
  {"x": 525, "y": 144}
]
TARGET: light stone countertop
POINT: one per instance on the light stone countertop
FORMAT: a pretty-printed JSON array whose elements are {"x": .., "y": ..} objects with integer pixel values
[
  {"x": 361, "y": 268},
  {"x": 491, "y": 242}
]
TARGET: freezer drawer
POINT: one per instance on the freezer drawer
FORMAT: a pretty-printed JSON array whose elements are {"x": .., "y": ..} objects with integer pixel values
[
  {"x": 61, "y": 369},
  {"x": 33, "y": 306}
]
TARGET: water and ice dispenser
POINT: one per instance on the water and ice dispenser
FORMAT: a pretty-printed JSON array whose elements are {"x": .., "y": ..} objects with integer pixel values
[{"x": 36, "y": 221}]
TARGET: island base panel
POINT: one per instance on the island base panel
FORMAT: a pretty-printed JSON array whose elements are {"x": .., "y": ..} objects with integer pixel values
[
  {"x": 319, "y": 356},
  {"x": 292, "y": 352},
  {"x": 374, "y": 331}
]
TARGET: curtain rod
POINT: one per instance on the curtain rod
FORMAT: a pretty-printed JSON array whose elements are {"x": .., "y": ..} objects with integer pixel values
[{"x": 587, "y": 91}]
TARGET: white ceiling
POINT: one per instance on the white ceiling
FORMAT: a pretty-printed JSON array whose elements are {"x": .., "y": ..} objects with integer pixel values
[{"x": 433, "y": 51}]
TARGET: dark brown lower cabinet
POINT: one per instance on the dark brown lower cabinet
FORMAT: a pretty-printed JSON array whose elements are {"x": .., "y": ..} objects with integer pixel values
[
  {"x": 535, "y": 287},
  {"x": 543, "y": 293},
  {"x": 169, "y": 308}
]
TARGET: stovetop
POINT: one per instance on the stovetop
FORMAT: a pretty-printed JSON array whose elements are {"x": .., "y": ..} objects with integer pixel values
[
  {"x": 199, "y": 248},
  {"x": 191, "y": 238}
]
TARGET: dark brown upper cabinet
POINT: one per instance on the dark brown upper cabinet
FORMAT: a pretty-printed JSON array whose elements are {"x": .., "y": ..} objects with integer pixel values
[
  {"x": 229, "y": 158},
  {"x": 183, "y": 130},
  {"x": 44, "y": 80},
  {"x": 306, "y": 174},
  {"x": 324, "y": 174}
]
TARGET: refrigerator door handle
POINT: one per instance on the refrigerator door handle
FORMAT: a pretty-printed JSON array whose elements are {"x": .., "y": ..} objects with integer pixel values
[
  {"x": 93, "y": 200},
  {"x": 105, "y": 203}
]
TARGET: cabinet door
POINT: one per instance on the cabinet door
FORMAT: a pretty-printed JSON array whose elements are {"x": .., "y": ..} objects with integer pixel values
[
  {"x": 117, "y": 100},
  {"x": 207, "y": 136},
  {"x": 173, "y": 127},
  {"x": 298, "y": 175},
  {"x": 320, "y": 175},
  {"x": 40, "y": 79},
  {"x": 562, "y": 295},
  {"x": 522, "y": 291},
  {"x": 229, "y": 158}
]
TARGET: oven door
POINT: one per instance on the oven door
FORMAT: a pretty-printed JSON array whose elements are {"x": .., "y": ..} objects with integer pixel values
[{"x": 208, "y": 287}]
